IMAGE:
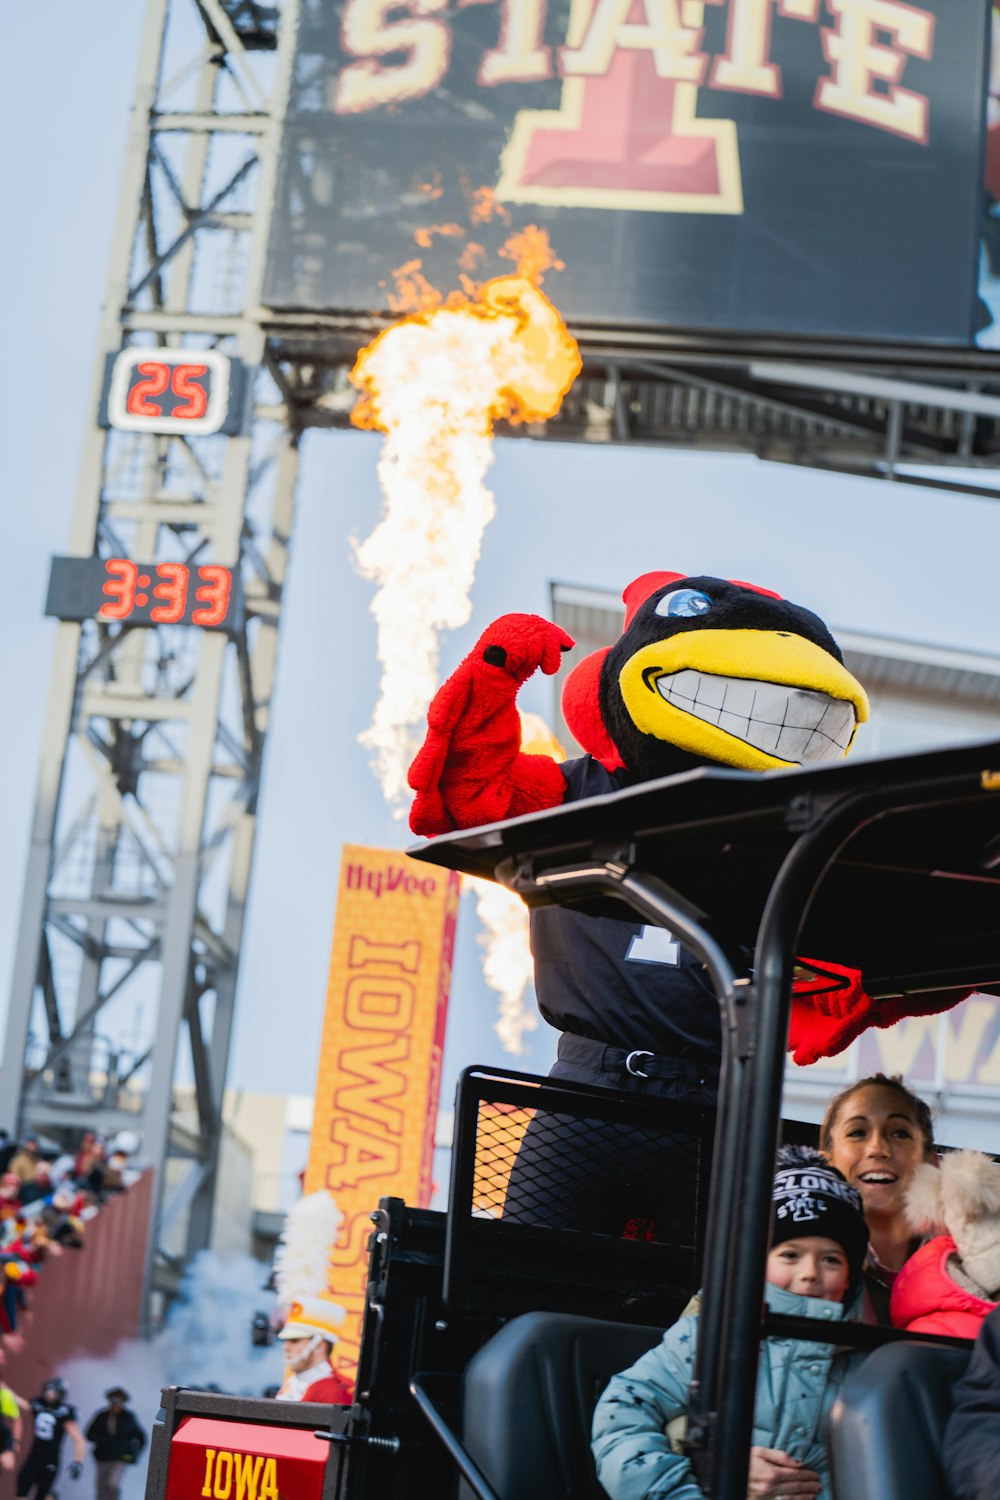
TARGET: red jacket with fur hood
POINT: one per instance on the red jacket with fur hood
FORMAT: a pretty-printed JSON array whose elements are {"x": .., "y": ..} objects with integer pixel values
[{"x": 925, "y": 1298}]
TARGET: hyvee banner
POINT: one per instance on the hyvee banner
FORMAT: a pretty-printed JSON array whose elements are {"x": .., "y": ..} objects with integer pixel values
[
  {"x": 803, "y": 166},
  {"x": 379, "y": 1071}
]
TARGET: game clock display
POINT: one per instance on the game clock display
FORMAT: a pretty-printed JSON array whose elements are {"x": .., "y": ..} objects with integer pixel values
[
  {"x": 192, "y": 391},
  {"x": 118, "y": 590}
]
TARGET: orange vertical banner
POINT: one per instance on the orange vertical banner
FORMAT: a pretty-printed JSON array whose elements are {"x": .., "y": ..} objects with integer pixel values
[{"x": 379, "y": 1073}]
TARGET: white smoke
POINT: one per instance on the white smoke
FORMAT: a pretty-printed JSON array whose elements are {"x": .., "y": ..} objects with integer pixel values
[
  {"x": 507, "y": 963},
  {"x": 435, "y": 385},
  {"x": 424, "y": 551},
  {"x": 207, "y": 1337},
  {"x": 206, "y": 1342}
]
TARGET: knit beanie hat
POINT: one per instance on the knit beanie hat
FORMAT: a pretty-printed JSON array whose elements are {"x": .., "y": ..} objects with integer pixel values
[{"x": 812, "y": 1198}]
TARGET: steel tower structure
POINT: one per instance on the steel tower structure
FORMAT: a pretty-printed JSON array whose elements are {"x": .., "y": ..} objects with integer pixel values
[{"x": 143, "y": 829}]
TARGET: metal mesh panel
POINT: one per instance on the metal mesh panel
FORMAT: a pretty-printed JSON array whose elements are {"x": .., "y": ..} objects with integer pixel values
[{"x": 566, "y": 1197}]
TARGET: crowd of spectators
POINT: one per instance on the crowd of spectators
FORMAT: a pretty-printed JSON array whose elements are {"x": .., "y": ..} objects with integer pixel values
[{"x": 47, "y": 1198}]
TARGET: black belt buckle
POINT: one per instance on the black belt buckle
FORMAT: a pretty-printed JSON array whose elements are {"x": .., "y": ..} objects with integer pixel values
[{"x": 630, "y": 1062}]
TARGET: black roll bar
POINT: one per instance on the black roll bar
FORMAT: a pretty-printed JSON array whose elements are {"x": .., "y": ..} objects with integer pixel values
[
  {"x": 724, "y": 1384},
  {"x": 420, "y": 1389},
  {"x": 755, "y": 1021},
  {"x": 940, "y": 860},
  {"x": 651, "y": 897}
]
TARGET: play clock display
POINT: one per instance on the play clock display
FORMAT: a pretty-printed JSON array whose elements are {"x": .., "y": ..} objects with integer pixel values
[
  {"x": 121, "y": 591},
  {"x": 190, "y": 391}
]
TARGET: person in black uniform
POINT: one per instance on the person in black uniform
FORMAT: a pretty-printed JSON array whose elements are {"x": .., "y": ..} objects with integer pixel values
[
  {"x": 53, "y": 1416},
  {"x": 611, "y": 986}
]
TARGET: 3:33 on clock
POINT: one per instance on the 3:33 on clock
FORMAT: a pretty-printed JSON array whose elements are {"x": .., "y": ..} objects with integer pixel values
[{"x": 165, "y": 589}]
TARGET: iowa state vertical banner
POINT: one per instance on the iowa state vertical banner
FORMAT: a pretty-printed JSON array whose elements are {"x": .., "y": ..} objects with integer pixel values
[{"x": 379, "y": 1072}]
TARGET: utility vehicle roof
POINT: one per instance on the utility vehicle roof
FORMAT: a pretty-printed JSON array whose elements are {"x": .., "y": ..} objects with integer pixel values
[{"x": 912, "y": 898}]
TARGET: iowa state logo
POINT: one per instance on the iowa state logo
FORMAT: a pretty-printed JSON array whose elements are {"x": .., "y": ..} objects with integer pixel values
[{"x": 640, "y": 122}]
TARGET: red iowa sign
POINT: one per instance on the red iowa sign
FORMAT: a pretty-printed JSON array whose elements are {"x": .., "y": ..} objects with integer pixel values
[{"x": 214, "y": 1459}]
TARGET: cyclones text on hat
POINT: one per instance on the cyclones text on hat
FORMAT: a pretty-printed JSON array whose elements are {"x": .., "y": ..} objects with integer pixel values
[{"x": 812, "y": 1198}]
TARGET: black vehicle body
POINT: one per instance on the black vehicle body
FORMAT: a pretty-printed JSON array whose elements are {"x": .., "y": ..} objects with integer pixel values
[{"x": 891, "y": 865}]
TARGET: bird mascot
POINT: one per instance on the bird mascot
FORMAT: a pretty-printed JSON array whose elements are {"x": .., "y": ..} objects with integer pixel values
[{"x": 707, "y": 671}]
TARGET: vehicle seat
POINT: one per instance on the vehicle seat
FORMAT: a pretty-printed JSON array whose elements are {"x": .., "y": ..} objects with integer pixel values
[
  {"x": 887, "y": 1426},
  {"x": 528, "y": 1399}
]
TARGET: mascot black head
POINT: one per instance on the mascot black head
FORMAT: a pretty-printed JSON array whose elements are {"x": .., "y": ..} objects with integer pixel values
[{"x": 713, "y": 670}]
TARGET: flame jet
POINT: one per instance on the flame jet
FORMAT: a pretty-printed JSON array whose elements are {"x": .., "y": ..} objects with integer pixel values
[{"x": 435, "y": 383}]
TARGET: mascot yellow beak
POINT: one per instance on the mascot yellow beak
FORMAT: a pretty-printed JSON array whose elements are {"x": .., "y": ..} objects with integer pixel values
[{"x": 756, "y": 699}]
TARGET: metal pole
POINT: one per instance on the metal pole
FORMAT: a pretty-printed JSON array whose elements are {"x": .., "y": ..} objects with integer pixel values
[{"x": 753, "y": 1132}]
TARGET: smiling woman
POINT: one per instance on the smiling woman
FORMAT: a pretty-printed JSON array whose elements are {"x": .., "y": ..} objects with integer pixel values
[{"x": 876, "y": 1133}]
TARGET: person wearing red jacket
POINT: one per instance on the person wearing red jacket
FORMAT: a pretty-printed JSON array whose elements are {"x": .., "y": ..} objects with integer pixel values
[
  {"x": 309, "y": 1335},
  {"x": 952, "y": 1282}
]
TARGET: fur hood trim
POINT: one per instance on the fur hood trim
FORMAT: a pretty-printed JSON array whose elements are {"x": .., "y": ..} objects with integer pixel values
[
  {"x": 965, "y": 1186},
  {"x": 961, "y": 1198}
]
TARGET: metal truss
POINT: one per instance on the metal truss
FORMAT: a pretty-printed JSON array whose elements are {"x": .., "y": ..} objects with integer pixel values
[
  {"x": 853, "y": 406},
  {"x": 143, "y": 830},
  {"x": 876, "y": 413}
]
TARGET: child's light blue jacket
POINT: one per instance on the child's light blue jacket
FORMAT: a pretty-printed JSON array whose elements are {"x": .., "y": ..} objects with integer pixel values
[{"x": 797, "y": 1383}]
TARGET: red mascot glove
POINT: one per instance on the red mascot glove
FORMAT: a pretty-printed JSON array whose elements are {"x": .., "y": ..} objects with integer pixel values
[
  {"x": 830, "y": 1008},
  {"x": 470, "y": 769}
]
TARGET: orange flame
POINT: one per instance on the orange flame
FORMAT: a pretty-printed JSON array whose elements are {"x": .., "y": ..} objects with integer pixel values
[
  {"x": 533, "y": 359},
  {"x": 414, "y": 292},
  {"x": 486, "y": 206},
  {"x": 528, "y": 248},
  {"x": 426, "y": 233},
  {"x": 435, "y": 383},
  {"x": 533, "y": 254},
  {"x": 473, "y": 255}
]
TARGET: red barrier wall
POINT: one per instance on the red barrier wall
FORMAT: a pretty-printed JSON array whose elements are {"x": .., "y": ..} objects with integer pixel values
[{"x": 86, "y": 1300}]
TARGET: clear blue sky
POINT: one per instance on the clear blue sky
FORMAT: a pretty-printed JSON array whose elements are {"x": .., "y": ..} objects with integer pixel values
[{"x": 866, "y": 556}]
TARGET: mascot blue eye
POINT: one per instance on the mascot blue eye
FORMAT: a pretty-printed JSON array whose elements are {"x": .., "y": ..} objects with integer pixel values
[{"x": 684, "y": 602}]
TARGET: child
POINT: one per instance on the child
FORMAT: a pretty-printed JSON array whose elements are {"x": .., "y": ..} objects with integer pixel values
[
  {"x": 953, "y": 1281},
  {"x": 818, "y": 1245}
]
